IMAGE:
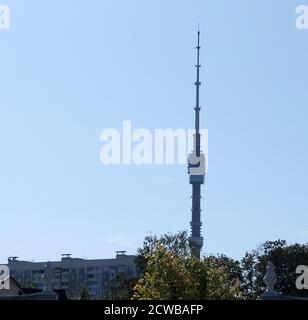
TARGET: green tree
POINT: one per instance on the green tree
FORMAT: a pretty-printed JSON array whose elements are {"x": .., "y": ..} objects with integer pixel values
[
  {"x": 224, "y": 276},
  {"x": 170, "y": 277},
  {"x": 177, "y": 244},
  {"x": 171, "y": 272}
]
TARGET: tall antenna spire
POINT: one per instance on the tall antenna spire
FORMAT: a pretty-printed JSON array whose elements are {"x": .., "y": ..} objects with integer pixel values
[
  {"x": 196, "y": 170},
  {"x": 197, "y": 108}
]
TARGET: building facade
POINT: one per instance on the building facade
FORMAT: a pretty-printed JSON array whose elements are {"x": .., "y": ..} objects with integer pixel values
[{"x": 75, "y": 274}]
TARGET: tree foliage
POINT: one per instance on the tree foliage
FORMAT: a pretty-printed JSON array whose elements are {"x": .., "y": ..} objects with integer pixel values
[
  {"x": 171, "y": 272},
  {"x": 176, "y": 244}
]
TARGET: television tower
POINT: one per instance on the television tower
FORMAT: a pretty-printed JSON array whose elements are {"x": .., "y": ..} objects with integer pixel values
[{"x": 196, "y": 171}]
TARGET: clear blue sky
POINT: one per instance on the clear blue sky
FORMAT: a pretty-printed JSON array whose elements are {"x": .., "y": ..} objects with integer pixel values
[{"x": 70, "y": 69}]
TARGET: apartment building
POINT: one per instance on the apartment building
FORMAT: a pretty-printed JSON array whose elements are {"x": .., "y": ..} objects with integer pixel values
[{"x": 75, "y": 274}]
